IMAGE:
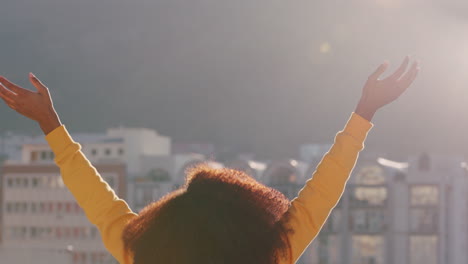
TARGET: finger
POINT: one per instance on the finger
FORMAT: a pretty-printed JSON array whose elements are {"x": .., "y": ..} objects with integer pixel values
[
  {"x": 10, "y": 102},
  {"x": 40, "y": 87},
  {"x": 11, "y": 86},
  {"x": 397, "y": 74},
  {"x": 381, "y": 69},
  {"x": 409, "y": 77},
  {"x": 4, "y": 92},
  {"x": 6, "y": 99},
  {"x": 412, "y": 78}
]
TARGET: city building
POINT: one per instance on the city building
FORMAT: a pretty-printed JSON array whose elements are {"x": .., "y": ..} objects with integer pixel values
[
  {"x": 411, "y": 212},
  {"x": 40, "y": 213}
]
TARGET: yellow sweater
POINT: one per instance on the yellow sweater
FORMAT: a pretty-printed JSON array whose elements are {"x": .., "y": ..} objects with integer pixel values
[{"x": 309, "y": 210}]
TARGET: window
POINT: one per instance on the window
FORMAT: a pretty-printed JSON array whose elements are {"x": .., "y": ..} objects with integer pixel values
[
  {"x": 424, "y": 195},
  {"x": 107, "y": 151},
  {"x": 17, "y": 182},
  {"x": 10, "y": 182},
  {"x": 60, "y": 183},
  {"x": 17, "y": 207},
  {"x": 94, "y": 152},
  {"x": 34, "y": 155},
  {"x": 368, "y": 250},
  {"x": 333, "y": 223},
  {"x": 43, "y": 155},
  {"x": 66, "y": 232},
  {"x": 121, "y": 151},
  {"x": 324, "y": 250},
  {"x": 35, "y": 182},
  {"x": 51, "y": 155},
  {"x": 43, "y": 208},
  {"x": 58, "y": 232},
  {"x": 423, "y": 249},
  {"x": 33, "y": 207},
  {"x": 368, "y": 196},
  {"x": 68, "y": 207},
  {"x": 25, "y": 182},
  {"x": 367, "y": 220},
  {"x": 33, "y": 232},
  {"x": 424, "y": 220},
  {"x": 76, "y": 232}
]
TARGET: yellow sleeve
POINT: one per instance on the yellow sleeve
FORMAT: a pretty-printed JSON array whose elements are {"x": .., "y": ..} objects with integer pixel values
[
  {"x": 101, "y": 205},
  {"x": 310, "y": 210}
]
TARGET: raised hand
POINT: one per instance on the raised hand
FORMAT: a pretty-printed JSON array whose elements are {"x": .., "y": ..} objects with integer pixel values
[
  {"x": 37, "y": 106},
  {"x": 379, "y": 92}
]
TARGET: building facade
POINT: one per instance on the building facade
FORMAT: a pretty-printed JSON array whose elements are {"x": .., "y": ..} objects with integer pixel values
[{"x": 392, "y": 212}]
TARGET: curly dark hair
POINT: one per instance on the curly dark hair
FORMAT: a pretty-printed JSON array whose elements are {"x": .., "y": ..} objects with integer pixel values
[{"x": 218, "y": 216}]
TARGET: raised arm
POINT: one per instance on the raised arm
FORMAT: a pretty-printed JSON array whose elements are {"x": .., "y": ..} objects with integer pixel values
[
  {"x": 310, "y": 210},
  {"x": 100, "y": 203}
]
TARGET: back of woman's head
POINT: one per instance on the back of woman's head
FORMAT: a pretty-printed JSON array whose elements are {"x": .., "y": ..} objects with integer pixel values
[{"x": 219, "y": 216}]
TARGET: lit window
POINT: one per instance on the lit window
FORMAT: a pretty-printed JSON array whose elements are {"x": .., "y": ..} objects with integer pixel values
[
  {"x": 424, "y": 195},
  {"x": 368, "y": 249},
  {"x": 60, "y": 183}
]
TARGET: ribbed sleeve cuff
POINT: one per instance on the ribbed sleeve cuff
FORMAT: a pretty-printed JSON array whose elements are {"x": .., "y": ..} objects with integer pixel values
[
  {"x": 59, "y": 139},
  {"x": 358, "y": 127}
]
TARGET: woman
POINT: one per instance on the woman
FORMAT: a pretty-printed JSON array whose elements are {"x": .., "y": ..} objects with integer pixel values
[{"x": 220, "y": 215}]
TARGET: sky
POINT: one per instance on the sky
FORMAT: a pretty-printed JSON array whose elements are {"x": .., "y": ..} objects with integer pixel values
[{"x": 258, "y": 76}]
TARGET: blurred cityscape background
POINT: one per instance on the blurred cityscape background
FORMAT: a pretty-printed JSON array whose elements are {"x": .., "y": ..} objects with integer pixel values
[
  {"x": 260, "y": 86},
  {"x": 411, "y": 211}
]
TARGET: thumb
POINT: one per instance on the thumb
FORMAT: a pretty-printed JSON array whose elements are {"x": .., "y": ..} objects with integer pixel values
[{"x": 40, "y": 87}]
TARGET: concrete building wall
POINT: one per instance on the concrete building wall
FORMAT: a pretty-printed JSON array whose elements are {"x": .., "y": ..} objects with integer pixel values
[{"x": 40, "y": 213}]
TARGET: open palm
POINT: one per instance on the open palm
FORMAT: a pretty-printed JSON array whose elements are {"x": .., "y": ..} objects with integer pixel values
[
  {"x": 380, "y": 92},
  {"x": 36, "y": 105}
]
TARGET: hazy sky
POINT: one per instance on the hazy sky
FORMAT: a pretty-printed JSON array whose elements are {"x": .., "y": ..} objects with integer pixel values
[{"x": 264, "y": 76}]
